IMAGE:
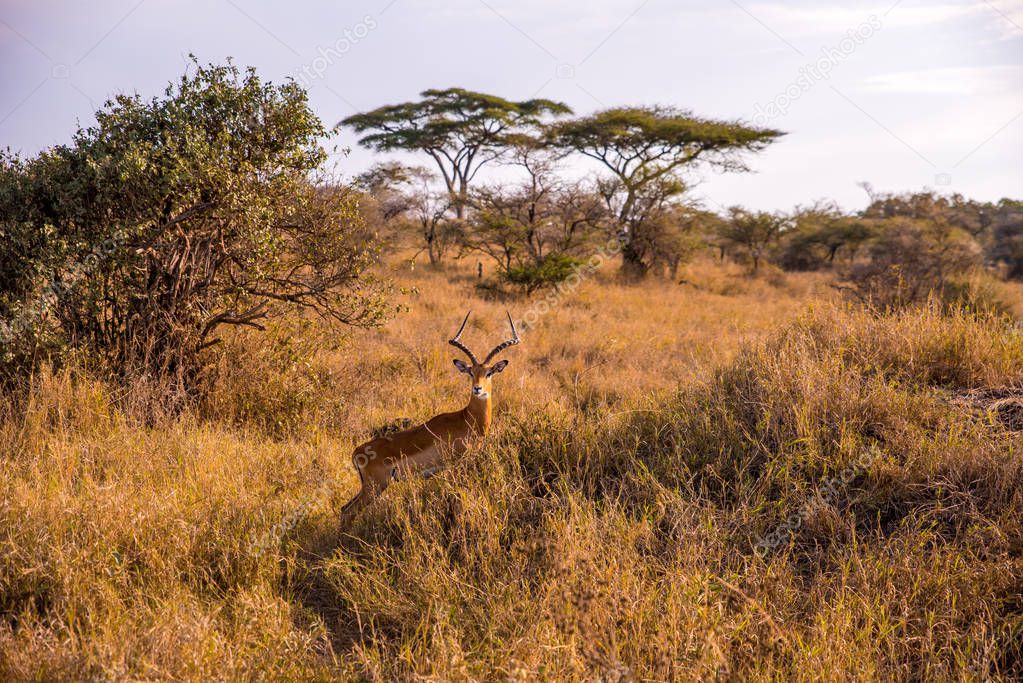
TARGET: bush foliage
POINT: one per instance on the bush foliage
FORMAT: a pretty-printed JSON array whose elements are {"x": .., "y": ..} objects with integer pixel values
[{"x": 173, "y": 218}]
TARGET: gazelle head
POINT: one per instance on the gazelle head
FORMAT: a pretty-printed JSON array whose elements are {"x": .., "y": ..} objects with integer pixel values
[{"x": 482, "y": 373}]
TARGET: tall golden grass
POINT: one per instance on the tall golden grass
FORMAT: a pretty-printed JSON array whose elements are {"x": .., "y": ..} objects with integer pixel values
[{"x": 646, "y": 439}]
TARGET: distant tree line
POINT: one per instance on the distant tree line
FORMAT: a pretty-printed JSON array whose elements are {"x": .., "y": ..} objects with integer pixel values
[
  {"x": 902, "y": 248},
  {"x": 535, "y": 231}
]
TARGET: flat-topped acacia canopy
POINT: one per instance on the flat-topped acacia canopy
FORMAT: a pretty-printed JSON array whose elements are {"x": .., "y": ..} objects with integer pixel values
[
  {"x": 639, "y": 144},
  {"x": 460, "y": 129}
]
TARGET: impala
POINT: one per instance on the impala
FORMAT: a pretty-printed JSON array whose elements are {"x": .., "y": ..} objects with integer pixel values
[{"x": 423, "y": 449}]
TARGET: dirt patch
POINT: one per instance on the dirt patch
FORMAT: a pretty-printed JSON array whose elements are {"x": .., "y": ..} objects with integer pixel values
[{"x": 1002, "y": 405}]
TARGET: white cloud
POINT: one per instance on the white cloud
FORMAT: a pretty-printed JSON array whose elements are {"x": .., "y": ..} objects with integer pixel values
[
  {"x": 1002, "y": 16},
  {"x": 964, "y": 80},
  {"x": 825, "y": 18}
]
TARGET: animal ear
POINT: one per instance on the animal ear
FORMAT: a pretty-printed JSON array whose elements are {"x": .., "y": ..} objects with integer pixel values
[
  {"x": 498, "y": 367},
  {"x": 462, "y": 366}
]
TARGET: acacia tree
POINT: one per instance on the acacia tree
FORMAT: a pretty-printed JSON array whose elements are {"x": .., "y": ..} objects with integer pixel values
[
  {"x": 537, "y": 230},
  {"x": 753, "y": 230},
  {"x": 384, "y": 184},
  {"x": 648, "y": 218},
  {"x": 430, "y": 210},
  {"x": 675, "y": 233},
  {"x": 408, "y": 193},
  {"x": 459, "y": 129},
  {"x": 648, "y": 148},
  {"x": 173, "y": 218},
  {"x": 819, "y": 232}
]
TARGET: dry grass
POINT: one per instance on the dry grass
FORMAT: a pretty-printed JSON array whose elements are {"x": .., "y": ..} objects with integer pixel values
[{"x": 646, "y": 439}]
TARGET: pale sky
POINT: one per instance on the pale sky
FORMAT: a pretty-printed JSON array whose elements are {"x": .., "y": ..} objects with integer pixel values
[{"x": 906, "y": 95}]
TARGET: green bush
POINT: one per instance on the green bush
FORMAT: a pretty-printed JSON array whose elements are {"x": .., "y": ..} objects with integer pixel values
[
  {"x": 173, "y": 218},
  {"x": 549, "y": 272}
]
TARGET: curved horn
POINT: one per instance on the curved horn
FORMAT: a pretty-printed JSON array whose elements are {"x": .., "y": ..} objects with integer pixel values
[
  {"x": 459, "y": 345},
  {"x": 505, "y": 344}
]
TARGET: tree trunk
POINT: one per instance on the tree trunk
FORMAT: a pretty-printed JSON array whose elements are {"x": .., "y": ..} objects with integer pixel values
[
  {"x": 432, "y": 251},
  {"x": 460, "y": 199},
  {"x": 633, "y": 267}
]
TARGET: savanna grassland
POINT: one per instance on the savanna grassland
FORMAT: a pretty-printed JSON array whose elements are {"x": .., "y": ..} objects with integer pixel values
[{"x": 647, "y": 438}]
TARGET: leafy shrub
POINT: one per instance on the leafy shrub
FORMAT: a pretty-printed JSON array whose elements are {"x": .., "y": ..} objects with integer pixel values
[
  {"x": 520, "y": 226},
  {"x": 1007, "y": 237},
  {"x": 908, "y": 261},
  {"x": 172, "y": 218},
  {"x": 751, "y": 231},
  {"x": 819, "y": 236},
  {"x": 550, "y": 272}
]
